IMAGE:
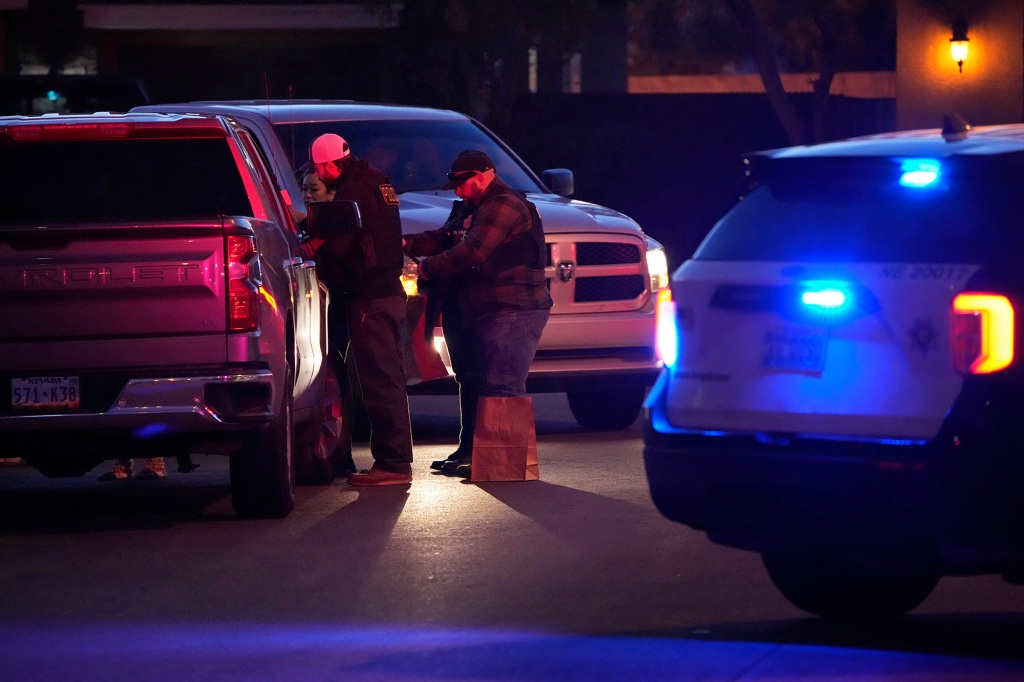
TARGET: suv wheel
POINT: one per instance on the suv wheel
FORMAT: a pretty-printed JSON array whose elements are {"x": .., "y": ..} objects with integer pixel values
[
  {"x": 606, "y": 407},
  {"x": 262, "y": 484},
  {"x": 833, "y": 585},
  {"x": 318, "y": 457}
]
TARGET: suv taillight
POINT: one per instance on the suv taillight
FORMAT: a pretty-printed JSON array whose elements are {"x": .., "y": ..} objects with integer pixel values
[
  {"x": 243, "y": 284},
  {"x": 981, "y": 329}
]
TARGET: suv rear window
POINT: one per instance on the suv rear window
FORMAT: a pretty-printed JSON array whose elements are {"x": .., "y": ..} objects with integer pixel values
[
  {"x": 112, "y": 180},
  {"x": 843, "y": 210}
]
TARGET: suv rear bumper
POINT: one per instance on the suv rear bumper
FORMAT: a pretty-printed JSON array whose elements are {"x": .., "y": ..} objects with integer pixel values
[
  {"x": 960, "y": 495},
  {"x": 958, "y": 500},
  {"x": 754, "y": 496}
]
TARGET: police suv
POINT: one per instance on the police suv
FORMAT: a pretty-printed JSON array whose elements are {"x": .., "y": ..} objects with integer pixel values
[{"x": 843, "y": 388}]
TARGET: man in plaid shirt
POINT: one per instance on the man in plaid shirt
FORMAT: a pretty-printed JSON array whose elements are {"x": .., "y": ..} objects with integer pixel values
[{"x": 490, "y": 255}]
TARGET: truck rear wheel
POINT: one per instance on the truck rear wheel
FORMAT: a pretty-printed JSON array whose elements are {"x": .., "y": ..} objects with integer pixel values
[
  {"x": 262, "y": 482},
  {"x": 322, "y": 445},
  {"x": 604, "y": 406},
  {"x": 829, "y": 584}
]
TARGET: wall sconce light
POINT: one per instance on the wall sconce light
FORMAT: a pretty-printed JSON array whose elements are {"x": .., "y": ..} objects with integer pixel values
[{"x": 958, "y": 43}]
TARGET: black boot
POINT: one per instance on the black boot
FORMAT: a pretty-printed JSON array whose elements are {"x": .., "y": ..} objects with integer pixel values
[
  {"x": 455, "y": 467},
  {"x": 346, "y": 465},
  {"x": 185, "y": 463},
  {"x": 458, "y": 456}
]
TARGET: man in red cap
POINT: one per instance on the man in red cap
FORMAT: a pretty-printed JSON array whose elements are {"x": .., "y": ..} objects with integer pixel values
[
  {"x": 363, "y": 268},
  {"x": 491, "y": 255}
]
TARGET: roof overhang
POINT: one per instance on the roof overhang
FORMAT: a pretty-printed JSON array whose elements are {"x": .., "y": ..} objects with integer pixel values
[{"x": 226, "y": 17}]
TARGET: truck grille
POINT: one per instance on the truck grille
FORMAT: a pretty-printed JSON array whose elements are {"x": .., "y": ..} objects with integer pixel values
[
  {"x": 594, "y": 253},
  {"x": 590, "y": 289},
  {"x": 587, "y": 274}
]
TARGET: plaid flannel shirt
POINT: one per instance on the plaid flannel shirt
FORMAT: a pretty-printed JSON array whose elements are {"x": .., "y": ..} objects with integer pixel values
[{"x": 500, "y": 215}]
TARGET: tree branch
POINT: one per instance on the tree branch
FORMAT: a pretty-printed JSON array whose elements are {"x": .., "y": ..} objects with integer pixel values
[{"x": 765, "y": 59}]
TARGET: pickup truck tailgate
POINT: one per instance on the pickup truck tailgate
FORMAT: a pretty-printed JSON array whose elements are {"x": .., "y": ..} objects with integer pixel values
[{"x": 112, "y": 282}]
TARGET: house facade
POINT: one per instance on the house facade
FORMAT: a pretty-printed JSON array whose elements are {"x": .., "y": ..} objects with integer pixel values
[
  {"x": 318, "y": 48},
  {"x": 987, "y": 88}
]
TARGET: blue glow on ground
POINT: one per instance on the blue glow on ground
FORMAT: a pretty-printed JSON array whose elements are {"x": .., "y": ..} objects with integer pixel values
[{"x": 311, "y": 652}]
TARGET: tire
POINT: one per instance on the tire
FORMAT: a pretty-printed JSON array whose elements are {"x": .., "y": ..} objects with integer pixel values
[
  {"x": 322, "y": 446},
  {"x": 828, "y": 584},
  {"x": 262, "y": 480},
  {"x": 603, "y": 407}
]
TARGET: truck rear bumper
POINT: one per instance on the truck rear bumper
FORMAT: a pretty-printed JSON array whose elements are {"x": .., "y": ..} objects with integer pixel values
[{"x": 167, "y": 404}]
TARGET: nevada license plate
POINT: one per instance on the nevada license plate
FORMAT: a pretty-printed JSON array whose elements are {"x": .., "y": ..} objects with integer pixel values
[
  {"x": 44, "y": 392},
  {"x": 796, "y": 349}
]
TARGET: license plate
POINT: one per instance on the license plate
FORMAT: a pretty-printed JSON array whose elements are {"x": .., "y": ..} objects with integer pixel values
[
  {"x": 797, "y": 349},
  {"x": 44, "y": 392}
]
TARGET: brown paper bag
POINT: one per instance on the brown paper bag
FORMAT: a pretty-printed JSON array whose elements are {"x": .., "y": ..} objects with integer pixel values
[{"x": 505, "y": 440}]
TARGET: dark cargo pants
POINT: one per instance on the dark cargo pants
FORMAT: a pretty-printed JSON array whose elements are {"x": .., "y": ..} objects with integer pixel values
[{"x": 374, "y": 330}]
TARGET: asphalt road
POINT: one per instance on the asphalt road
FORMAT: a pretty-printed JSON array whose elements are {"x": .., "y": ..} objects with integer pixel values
[{"x": 573, "y": 577}]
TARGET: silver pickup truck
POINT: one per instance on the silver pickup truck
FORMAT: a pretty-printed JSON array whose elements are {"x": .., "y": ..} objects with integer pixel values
[
  {"x": 155, "y": 300},
  {"x": 602, "y": 270}
]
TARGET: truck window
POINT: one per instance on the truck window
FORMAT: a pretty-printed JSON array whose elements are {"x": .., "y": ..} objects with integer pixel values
[
  {"x": 111, "y": 180},
  {"x": 269, "y": 194}
]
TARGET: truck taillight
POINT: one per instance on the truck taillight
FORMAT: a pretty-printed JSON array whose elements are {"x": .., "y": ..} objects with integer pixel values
[
  {"x": 243, "y": 284},
  {"x": 981, "y": 333},
  {"x": 666, "y": 330}
]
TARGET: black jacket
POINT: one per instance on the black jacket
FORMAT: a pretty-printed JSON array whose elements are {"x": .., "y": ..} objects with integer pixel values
[{"x": 365, "y": 263}]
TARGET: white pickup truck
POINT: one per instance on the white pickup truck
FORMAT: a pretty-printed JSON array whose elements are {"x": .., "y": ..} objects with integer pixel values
[{"x": 603, "y": 271}]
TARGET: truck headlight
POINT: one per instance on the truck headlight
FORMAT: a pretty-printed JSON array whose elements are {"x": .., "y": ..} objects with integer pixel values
[{"x": 657, "y": 265}]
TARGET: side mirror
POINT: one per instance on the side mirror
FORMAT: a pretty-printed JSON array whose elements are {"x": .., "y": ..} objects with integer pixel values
[
  {"x": 326, "y": 219},
  {"x": 559, "y": 181}
]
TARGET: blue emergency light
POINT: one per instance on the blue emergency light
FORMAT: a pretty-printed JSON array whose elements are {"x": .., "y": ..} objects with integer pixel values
[
  {"x": 828, "y": 299},
  {"x": 829, "y": 302},
  {"x": 826, "y": 296},
  {"x": 919, "y": 173}
]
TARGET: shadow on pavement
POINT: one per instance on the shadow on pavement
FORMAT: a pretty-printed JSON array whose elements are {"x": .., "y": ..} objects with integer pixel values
[{"x": 31, "y": 503}]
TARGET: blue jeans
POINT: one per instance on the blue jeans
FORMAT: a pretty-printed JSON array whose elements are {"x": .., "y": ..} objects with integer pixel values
[
  {"x": 506, "y": 344},
  {"x": 490, "y": 359}
]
